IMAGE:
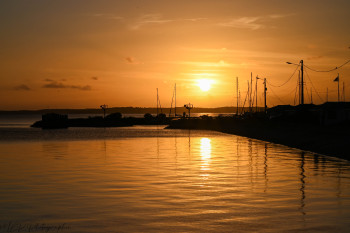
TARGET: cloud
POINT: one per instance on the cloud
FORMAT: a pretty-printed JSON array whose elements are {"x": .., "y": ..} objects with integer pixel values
[
  {"x": 83, "y": 88},
  {"x": 278, "y": 16},
  {"x": 94, "y": 78},
  {"x": 201, "y": 74},
  {"x": 22, "y": 87},
  {"x": 142, "y": 20},
  {"x": 48, "y": 80},
  {"x": 54, "y": 84},
  {"x": 243, "y": 22},
  {"x": 59, "y": 85},
  {"x": 131, "y": 60},
  {"x": 194, "y": 19},
  {"x": 241, "y": 54},
  {"x": 252, "y": 23},
  {"x": 220, "y": 63},
  {"x": 147, "y": 19}
]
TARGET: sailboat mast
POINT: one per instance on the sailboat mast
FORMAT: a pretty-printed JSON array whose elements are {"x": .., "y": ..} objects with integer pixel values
[
  {"x": 256, "y": 94},
  {"x": 250, "y": 93},
  {"x": 311, "y": 96},
  {"x": 175, "y": 100},
  {"x": 265, "y": 89},
  {"x": 237, "y": 96},
  {"x": 157, "y": 102},
  {"x": 338, "y": 88}
]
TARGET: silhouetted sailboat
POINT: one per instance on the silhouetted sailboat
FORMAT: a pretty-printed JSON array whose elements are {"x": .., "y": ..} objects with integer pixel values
[{"x": 172, "y": 100}]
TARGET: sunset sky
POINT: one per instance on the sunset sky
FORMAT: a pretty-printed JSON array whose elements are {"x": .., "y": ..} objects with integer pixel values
[{"x": 82, "y": 53}]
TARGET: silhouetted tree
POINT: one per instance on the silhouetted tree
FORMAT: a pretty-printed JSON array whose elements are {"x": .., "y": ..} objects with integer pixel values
[
  {"x": 161, "y": 116},
  {"x": 148, "y": 116},
  {"x": 205, "y": 117}
]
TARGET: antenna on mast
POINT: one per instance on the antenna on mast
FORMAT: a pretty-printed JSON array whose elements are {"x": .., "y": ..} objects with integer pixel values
[
  {"x": 172, "y": 99},
  {"x": 104, "y": 108}
]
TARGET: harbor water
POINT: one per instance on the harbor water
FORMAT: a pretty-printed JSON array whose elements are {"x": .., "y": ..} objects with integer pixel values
[{"x": 150, "y": 179}]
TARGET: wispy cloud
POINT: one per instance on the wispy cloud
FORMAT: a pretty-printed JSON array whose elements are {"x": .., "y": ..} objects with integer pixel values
[
  {"x": 201, "y": 74},
  {"x": 194, "y": 19},
  {"x": 220, "y": 63},
  {"x": 143, "y": 20},
  {"x": 234, "y": 54},
  {"x": 252, "y": 23},
  {"x": 94, "y": 78},
  {"x": 243, "y": 22},
  {"x": 148, "y": 19},
  {"x": 54, "y": 84},
  {"x": 129, "y": 59},
  {"x": 59, "y": 85},
  {"x": 83, "y": 88},
  {"x": 22, "y": 87},
  {"x": 278, "y": 16},
  {"x": 132, "y": 60}
]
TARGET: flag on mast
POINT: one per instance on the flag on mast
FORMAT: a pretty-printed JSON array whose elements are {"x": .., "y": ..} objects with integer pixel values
[{"x": 336, "y": 79}]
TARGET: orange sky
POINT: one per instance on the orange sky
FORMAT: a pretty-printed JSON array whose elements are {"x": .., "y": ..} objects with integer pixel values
[{"x": 81, "y": 54}]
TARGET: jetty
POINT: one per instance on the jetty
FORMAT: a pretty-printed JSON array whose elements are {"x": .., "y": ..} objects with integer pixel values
[
  {"x": 323, "y": 129},
  {"x": 59, "y": 121}
]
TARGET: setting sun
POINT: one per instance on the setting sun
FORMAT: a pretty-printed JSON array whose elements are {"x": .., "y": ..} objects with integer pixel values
[{"x": 204, "y": 84}]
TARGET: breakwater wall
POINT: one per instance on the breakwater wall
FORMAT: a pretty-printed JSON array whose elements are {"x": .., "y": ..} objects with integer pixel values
[
  {"x": 55, "y": 121},
  {"x": 328, "y": 140}
]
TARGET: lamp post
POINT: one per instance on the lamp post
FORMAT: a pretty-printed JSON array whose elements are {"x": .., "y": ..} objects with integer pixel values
[
  {"x": 104, "y": 108},
  {"x": 189, "y": 107},
  {"x": 301, "y": 81}
]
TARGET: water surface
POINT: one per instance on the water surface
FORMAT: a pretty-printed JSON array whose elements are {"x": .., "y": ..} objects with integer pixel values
[{"x": 147, "y": 179}]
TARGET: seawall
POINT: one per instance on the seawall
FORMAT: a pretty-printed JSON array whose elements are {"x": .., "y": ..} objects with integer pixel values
[{"x": 326, "y": 140}]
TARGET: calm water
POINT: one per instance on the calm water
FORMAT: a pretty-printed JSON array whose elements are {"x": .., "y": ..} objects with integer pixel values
[
  {"x": 25, "y": 120},
  {"x": 148, "y": 179}
]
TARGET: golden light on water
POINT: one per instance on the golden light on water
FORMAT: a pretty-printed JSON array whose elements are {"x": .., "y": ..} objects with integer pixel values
[
  {"x": 205, "y": 148},
  {"x": 205, "y": 152},
  {"x": 193, "y": 182}
]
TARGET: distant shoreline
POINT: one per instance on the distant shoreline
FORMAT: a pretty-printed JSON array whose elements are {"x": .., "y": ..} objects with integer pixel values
[
  {"x": 327, "y": 140},
  {"x": 124, "y": 110}
]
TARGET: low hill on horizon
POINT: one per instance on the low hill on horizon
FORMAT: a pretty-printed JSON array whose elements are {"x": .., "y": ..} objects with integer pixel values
[{"x": 125, "y": 110}]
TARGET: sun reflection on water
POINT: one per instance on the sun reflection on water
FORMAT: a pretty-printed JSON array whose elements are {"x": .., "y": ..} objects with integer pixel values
[
  {"x": 191, "y": 182},
  {"x": 205, "y": 152},
  {"x": 205, "y": 148}
]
